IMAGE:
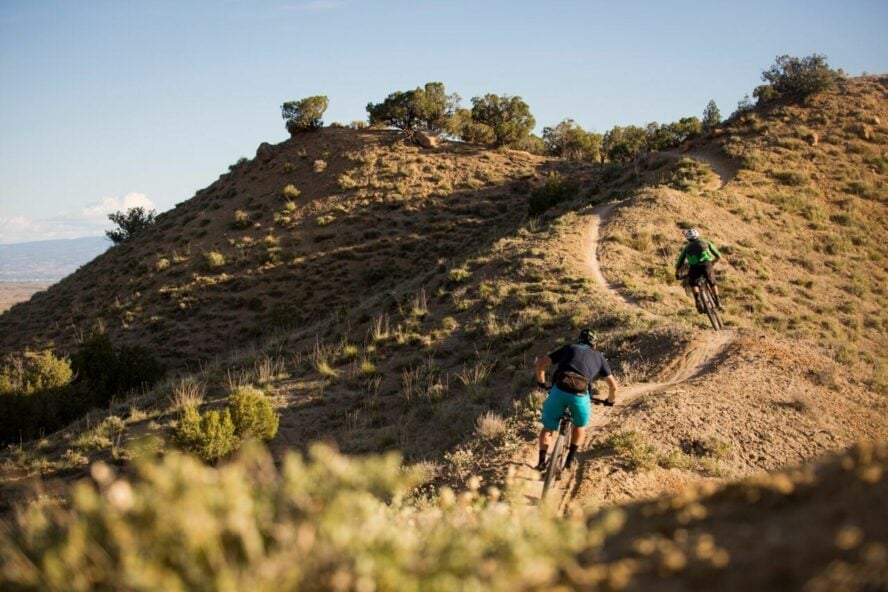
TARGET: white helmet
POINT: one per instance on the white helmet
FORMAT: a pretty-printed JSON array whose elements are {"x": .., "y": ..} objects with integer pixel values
[{"x": 692, "y": 234}]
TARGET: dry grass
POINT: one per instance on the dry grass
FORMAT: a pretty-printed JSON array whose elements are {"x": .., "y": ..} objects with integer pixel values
[
  {"x": 188, "y": 392},
  {"x": 490, "y": 426}
]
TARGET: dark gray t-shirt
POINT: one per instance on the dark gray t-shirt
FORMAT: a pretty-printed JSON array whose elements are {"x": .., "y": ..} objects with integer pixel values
[{"x": 580, "y": 358}]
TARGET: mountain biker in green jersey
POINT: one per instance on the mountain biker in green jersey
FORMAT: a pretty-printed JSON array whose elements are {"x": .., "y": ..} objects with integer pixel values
[
  {"x": 578, "y": 365},
  {"x": 701, "y": 255}
]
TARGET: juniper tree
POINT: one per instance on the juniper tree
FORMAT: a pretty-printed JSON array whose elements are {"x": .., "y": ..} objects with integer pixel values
[
  {"x": 132, "y": 221},
  {"x": 508, "y": 118},
  {"x": 304, "y": 114},
  {"x": 711, "y": 116}
]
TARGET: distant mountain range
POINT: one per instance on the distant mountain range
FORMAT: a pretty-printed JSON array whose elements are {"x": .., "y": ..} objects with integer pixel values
[{"x": 48, "y": 260}]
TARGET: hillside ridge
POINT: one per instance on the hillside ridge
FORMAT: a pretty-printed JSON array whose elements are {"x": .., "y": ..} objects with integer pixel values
[{"x": 388, "y": 297}]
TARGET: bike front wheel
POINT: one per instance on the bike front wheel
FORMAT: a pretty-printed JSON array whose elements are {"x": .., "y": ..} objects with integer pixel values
[
  {"x": 709, "y": 305},
  {"x": 555, "y": 463}
]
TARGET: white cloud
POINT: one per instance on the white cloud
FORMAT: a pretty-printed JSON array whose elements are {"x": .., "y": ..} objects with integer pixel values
[
  {"x": 91, "y": 220},
  {"x": 108, "y": 205},
  {"x": 16, "y": 224}
]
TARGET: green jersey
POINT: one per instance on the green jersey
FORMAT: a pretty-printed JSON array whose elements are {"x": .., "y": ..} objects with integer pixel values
[{"x": 696, "y": 252}]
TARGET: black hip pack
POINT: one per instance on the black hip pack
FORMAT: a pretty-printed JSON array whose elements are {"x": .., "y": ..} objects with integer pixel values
[{"x": 572, "y": 382}]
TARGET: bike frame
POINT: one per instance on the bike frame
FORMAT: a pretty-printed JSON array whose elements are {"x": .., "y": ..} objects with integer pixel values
[
  {"x": 707, "y": 299},
  {"x": 709, "y": 303}
]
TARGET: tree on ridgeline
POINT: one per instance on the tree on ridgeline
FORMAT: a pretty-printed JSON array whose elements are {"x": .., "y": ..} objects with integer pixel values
[
  {"x": 795, "y": 78},
  {"x": 305, "y": 114},
  {"x": 569, "y": 140},
  {"x": 429, "y": 109},
  {"x": 531, "y": 143},
  {"x": 465, "y": 128},
  {"x": 129, "y": 223},
  {"x": 672, "y": 135},
  {"x": 624, "y": 144},
  {"x": 711, "y": 116},
  {"x": 508, "y": 118}
]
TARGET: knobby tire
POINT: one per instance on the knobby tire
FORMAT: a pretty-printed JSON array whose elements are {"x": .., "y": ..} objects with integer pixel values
[
  {"x": 709, "y": 305},
  {"x": 554, "y": 464}
]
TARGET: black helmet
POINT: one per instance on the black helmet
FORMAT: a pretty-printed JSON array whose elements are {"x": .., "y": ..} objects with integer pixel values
[{"x": 587, "y": 336}]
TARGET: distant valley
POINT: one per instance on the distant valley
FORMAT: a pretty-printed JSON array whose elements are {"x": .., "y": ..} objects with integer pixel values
[{"x": 48, "y": 260}]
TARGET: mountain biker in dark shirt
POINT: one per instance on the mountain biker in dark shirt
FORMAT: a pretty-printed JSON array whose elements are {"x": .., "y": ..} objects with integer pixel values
[
  {"x": 701, "y": 255},
  {"x": 578, "y": 365}
]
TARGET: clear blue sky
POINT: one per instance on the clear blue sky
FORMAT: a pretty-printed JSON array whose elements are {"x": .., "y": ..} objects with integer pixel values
[{"x": 105, "y": 104}]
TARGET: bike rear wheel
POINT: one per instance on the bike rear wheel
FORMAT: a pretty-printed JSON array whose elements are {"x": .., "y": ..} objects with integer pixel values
[
  {"x": 709, "y": 305},
  {"x": 556, "y": 461}
]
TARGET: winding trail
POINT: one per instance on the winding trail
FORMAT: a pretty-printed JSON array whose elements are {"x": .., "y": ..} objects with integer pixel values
[{"x": 699, "y": 358}]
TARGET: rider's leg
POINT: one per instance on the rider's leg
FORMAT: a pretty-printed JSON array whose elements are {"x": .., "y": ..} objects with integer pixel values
[
  {"x": 694, "y": 273},
  {"x": 553, "y": 407},
  {"x": 710, "y": 279},
  {"x": 577, "y": 435},
  {"x": 545, "y": 438},
  {"x": 581, "y": 411},
  {"x": 698, "y": 299}
]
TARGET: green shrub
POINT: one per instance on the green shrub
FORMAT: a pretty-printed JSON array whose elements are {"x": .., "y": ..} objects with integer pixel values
[
  {"x": 36, "y": 396},
  {"x": 794, "y": 178},
  {"x": 210, "y": 436},
  {"x": 214, "y": 260},
  {"x": 238, "y": 163},
  {"x": 108, "y": 371},
  {"x": 368, "y": 368},
  {"x": 346, "y": 181},
  {"x": 252, "y": 414},
  {"x": 31, "y": 372},
  {"x": 555, "y": 190},
  {"x": 458, "y": 275},
  {"x": 290, "y": 192},
  {"x": 632, "y": 448},
  {"x": 241, "y": 220},
  {"x": 688, "y": 174}
]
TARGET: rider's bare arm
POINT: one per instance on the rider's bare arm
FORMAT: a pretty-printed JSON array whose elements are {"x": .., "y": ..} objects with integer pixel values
[
  {"x": 540, "y": 368},
  {"x": 612, "y": 387}
]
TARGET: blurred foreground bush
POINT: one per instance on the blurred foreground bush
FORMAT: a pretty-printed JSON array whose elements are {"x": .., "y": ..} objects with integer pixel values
[{"x": 328, "y": 523}]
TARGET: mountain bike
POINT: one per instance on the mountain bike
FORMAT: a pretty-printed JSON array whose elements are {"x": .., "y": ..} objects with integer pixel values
[
  {"x": 559, "y": 453},
  {"x": 558, "y": 457},
  {"x": 707, "y": 300}
]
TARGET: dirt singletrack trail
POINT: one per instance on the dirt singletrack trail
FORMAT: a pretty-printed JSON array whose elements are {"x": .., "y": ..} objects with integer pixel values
[{"x": 697, "y": 359}]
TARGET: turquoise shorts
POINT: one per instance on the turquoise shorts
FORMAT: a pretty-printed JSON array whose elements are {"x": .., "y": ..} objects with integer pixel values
[{"x": 558, "y": 400}]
